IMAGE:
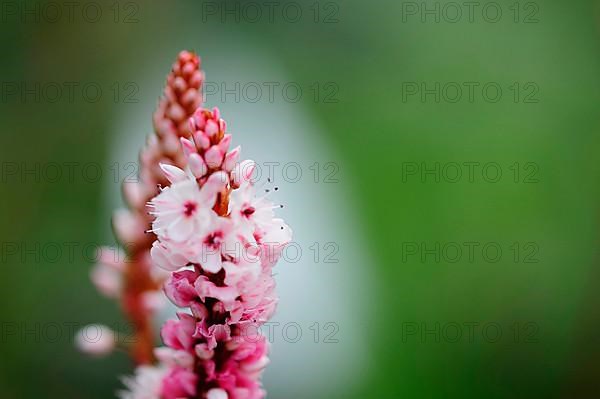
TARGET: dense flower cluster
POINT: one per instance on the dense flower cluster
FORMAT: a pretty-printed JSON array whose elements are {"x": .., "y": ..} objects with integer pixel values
[
  {"x": 130, "y": 278},
  {"x": 219, "y": 241}
]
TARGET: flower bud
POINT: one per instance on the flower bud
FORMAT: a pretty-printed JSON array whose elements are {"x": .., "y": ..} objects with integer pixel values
[
  {"x": 127, "y": 226},
  {"x": 188, "y": 146},
  {"x": 197, "y": 165},
  {"x": 95, "y": 340},
  {"x": 106, "y": 280},
  {"x": 224, "y": 143},
  {"x": 231, "y": 158},
  {"x": 213, "y": 157}
]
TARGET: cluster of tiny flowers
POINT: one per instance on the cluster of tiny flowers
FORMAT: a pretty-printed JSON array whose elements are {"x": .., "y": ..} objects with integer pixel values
[
  {"x": 219, "y": 241},
  {"x": 129, "y": 278},
  {"x": 181, "y": 97}
]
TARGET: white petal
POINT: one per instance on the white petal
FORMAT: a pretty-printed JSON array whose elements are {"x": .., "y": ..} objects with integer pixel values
[
  {"x": 181, "y": 229},
  {"x": 160, "y": 258},
  {"x": 173, "y": 173}
]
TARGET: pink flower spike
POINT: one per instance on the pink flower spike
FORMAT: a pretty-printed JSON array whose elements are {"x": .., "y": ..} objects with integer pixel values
[
  {"x": 132, "y": 280},
  {"x": 173, "y": 173},
  {"x": 197, "y": 165},
  {"x": 219, "y": 241}
]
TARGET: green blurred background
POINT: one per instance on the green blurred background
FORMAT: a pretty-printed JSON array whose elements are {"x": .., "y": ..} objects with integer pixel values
[{"x": 370, "y": 51}]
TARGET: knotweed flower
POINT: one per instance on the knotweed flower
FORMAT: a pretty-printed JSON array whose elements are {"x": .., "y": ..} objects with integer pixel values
[
  {"x": 132, "y": 281},
  {"x": 219, "y": 241}
]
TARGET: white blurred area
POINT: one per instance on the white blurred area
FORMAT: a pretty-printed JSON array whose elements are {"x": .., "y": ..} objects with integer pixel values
[{"x": 311, "y": 290}]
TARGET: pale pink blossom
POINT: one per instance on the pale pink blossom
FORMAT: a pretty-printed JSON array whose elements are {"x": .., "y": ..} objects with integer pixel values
[
  {"x": 248, "y": 211},
  {"x": 180, "y": 210},
  {"x": 212, "y": 243},
  {"x": 219, "y": 240},
  {"x": 272, "y": 238}
]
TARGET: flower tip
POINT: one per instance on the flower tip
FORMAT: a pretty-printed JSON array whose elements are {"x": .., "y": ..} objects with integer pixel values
[{"x": 185, "y": 56}]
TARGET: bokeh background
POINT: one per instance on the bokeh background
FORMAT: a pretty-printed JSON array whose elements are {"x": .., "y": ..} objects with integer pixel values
[{"x": 397, "y": 311}]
